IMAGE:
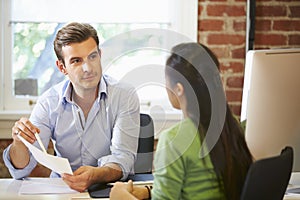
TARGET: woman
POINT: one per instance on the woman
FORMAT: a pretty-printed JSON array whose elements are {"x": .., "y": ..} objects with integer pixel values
[{"x": 183, "y": 170}]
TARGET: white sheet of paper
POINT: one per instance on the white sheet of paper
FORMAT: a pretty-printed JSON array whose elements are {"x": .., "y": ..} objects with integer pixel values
[
  {"x": 56, "y": 164},
  {"x": 45, "y": 186}
]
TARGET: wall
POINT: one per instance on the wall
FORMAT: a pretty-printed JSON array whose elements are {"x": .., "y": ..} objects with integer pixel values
[
  {"x": 3, "y": 170},
  {"x": 222, "y": 27}
]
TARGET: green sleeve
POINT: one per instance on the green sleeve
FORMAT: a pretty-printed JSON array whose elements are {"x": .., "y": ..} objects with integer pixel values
[{"x": 169, "y": 170}]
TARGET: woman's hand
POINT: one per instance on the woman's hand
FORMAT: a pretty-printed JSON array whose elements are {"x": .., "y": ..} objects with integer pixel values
[
  {"x": 122, "y": 191},
  {"x": 128, "y": 191},
  {"x": 140, "y": 192}
]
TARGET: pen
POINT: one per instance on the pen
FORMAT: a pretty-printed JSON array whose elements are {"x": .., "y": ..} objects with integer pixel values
[
  {"x": 40, "y": 142},
  {"x": 150, "y": 182}
]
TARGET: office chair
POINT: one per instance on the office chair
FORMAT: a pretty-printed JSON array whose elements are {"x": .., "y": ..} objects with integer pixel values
[
  {"x": 143, "y": 163},
  {"x": 268, "y": 178}
]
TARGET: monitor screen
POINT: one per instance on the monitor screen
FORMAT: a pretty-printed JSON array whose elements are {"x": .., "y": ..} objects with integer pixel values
[{"x": 271, "y": 102}]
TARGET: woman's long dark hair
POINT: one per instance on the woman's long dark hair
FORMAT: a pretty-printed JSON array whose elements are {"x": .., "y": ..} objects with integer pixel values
[{"x": 230, "y": 155}]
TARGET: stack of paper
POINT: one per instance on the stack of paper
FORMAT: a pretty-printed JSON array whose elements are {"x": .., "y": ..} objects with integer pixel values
[{"x": 45, "y": 186}]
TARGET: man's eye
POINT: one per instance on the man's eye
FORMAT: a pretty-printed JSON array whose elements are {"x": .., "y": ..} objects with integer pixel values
[
  {"x": 93, "y": 56},
  {"x": 75, "y": 61}
]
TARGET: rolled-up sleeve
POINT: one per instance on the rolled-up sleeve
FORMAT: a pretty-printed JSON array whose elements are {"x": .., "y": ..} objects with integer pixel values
[
  {"x": 125, "y": 132},
  {"x": 18, "y": 173},
  {"x": 39, "y": 116}
]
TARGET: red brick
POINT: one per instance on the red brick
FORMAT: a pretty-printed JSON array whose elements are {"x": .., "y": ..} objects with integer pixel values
[
  {"x": 234, "y": 67},
  {"x": 239, "y": 25},
  {"x": 4, "y": 143},
  {"x": 270, "y": 39},
  {"x": 211, "y": 25},
  {"x": 294, "y": 40},
  {"x": 238, "y": 53},
  {"x": 234, "y": 95},
  {"x": 295, "y": 11},
  {"x": 200, "y": 9},
  {"x": 226, "y": 39},
  {"x": 262, "y": 25},
  {"x": 221, "y": 10},
  {"x": 3, "y": 170},
  {"x": 221, "y": 52},
  {"x": 286, "y": 1},
  {"x": 235, "y": 82},
  {"x": 286, "y": 25},
  {"x": 270, "y": 11}
]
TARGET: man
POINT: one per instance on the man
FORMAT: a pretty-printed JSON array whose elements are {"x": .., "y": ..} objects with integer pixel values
[{"x": 92, "y": 120}]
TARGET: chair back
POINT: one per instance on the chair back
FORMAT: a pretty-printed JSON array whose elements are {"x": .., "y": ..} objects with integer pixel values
[
  {"x": 143, "y": 163},
  {"x": 268, "y": 178}
]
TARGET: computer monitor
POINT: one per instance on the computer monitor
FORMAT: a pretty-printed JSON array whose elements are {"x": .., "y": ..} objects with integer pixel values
[{"x": 271, "y": 102}]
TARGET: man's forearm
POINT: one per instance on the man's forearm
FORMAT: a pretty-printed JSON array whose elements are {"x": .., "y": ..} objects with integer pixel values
[
  {"x": 19, "y": 155},
  {"x": 108, "y": 173}
]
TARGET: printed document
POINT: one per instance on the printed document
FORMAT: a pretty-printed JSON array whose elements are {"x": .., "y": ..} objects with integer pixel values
[{"x": 56, "y": 164}]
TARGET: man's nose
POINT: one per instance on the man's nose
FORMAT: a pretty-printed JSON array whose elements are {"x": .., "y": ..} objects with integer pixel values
[{"x": 85, "y": 67}]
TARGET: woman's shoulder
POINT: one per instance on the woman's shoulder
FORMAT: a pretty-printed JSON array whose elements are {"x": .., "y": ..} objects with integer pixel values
[
  {"x": 180, "y": 127},
  {"x": 179, "y": 134}
]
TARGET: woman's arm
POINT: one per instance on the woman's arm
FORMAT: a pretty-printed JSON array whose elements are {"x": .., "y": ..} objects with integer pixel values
[{"x": 128, "y": 191}]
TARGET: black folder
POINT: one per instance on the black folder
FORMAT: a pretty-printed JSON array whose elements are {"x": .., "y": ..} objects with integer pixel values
[
  {"x": 102, "y": 190},
  {"x": 99, "y": 190}
]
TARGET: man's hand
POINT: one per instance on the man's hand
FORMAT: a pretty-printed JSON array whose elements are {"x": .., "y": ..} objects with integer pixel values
[
  {"x": 85, "y": 176},
  {"x": 24, "y": 128},
  {"x": 82, "y": 178},
  {"x": 18, "y": 153}
]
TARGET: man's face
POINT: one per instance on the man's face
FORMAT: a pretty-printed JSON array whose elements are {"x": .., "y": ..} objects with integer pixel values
[{"x": 83, "y": 64}]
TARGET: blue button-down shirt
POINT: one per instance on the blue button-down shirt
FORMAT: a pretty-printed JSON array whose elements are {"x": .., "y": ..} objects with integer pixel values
[{"x": 109, "y": 134}]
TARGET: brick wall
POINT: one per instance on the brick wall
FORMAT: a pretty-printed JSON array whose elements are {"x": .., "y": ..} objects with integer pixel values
[
  {"x": 222, "y": 27},
  {"x": 39, "y": 171},
  {"x": 3, "y": 170}
]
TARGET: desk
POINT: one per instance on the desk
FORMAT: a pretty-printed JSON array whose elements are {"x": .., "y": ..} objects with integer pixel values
[
  {"x": 9, "y": 190},
  {"x": 294, "y": 182}
]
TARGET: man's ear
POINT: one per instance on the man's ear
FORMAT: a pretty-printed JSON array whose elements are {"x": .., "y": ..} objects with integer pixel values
[
  {"x": 61, "y": 67},
  {"x": 100, "y": 52},
  {"x": 179, "y": 89}
]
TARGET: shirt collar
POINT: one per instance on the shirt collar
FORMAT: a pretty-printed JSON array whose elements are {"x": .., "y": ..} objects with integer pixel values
[
  {"x": 102, "y": 93},
  {"x": 67, "y": 91}
]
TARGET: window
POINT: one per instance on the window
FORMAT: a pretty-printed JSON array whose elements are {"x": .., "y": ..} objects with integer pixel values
[{"x": 28, "y": 60}]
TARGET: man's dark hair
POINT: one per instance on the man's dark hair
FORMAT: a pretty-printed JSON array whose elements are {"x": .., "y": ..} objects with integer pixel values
[{"x": 73, "y": 33}]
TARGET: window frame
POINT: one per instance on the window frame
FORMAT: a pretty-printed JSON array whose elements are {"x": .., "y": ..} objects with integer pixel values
[{"x": 183, "y": 11}]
